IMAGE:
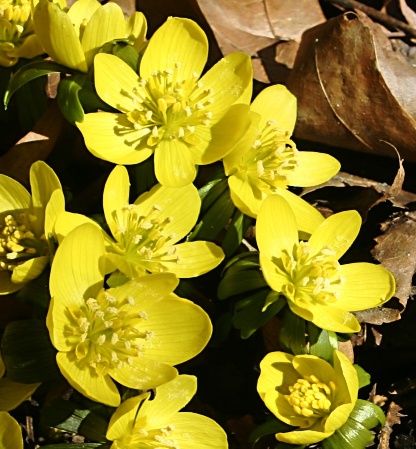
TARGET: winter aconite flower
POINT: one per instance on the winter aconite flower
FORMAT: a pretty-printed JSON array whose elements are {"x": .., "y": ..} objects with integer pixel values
[
  {"x": 169, "y": 110},
  {"x": 26, "y": 224},
  {"x": 10, "y": 432},
  {"x": 17, "y": 38},
  {"x": 133, "y": 334},
  {"x": 309, "y": 393},
  {"x": 266, "y": 160},
  {"x": 142, "y": 423},
  {"x": 13, "y": 393},
  {"x": 73, "y": 38},
  {"x": 317, "y": 287}
]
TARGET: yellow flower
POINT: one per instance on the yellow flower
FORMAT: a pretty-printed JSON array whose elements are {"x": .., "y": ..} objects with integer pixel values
[
  {"x": 10, "y": 432},
  {"x": 133, "y": 334},
  {"x": 140, "y": 422},
  {"x": 73, "y": 38},
  {"x": 13, "y": 393},
  {"x": 266, "y": 160},
  {"x": 307, "y": 392},
  {"x": 167, "y": 110},
  {"x": 26, "y": 224},
  {"x": 309, "y": 275},
  {"x": 17, "y": 38}
]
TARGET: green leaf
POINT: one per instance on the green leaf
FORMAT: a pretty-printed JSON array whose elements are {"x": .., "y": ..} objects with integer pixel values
[
  {"x": 249, "y": 315},
  {"x": 235, "y": 232},
  {"x": 368, "y": 414},
  {"x": 352, "y": 435},
  {"x": 363, "y": 377},
  {"x": 292, "y": 333},
  {"x": 123, "y": 50},
  {"x": 240, "y": 282},
  {"x": 68, "y": 98},
  {"x": 244, "y": 261},
  {"x": 28, "y": 353},
  {"x": 322, "y": 342},
  {"x": 269, "y": 427},
  {"x": 29, "y": 72}
]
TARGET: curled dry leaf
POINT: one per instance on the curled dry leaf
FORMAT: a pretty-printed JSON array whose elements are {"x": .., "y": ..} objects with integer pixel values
[
  {"x": 256, "y": 26},
  {"x": 396, "y": 250},
  {"x": 393, "y": 417},
  {"x": 353, "y": 91}
]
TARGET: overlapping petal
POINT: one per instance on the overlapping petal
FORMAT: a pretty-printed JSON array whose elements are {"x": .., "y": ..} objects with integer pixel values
[{"x": 10, "y": 432}]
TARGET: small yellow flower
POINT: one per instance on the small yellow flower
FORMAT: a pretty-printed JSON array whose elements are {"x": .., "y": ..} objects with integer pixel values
[
  {"x": 17, "y": 38},
  {"x": 13, "y": 393},
  {"x": 10, "y": 432},
  {"x": 73, "y": 38},
  {"x": 266, "y": 160},
  {"x": 309, "y": 393},
  {"x": 317, "y": 287},
  {"x": 140, "y": 422},
  {"x": 133, "y": 334},
  {"x": 26, "y": 225},
  {"x": 167, "y": 110}
]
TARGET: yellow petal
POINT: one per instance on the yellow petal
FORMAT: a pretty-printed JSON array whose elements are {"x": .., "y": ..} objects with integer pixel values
[
  {"x": 122, "y": 420},
  {"x": 274, "y": 278},
  {"x": 228, "y": 79},
  {"x": 276, "y": 228},
  {"x": 245, "y": 195},
  {"x": 280, "y": 407},
  {"x": 276, "y": 370},
  {"x": 13, "y": 394},
  {"x": 29, "y": 270},
  {"x": 10, "y": 432},
  {"x": 184, "y": 319},
  {"x": 55, "y": 31},
  {"x": 115, "y": 197},
  {"x": 326, "y": 316},
  {"x": 98, "y": 388},
  {"x": 113, "y": 80},
  {"x": 302, "y": 437},
  {"x": 365, "y": 285},
  {"x": 179, "y": 220},
  {"x": 111, "y": 137},
  {"x": 30, "y": 48},
  {"x": 136, "y": 27},
  {"x": 68, "y": 221},
  {"x": 338, "y": 417},
  {"x": 76, "y": 273},
  {"x": 337, "y": 232},
  {"x": 6, "y": 285},
  {"x": 81, "y": 11},
  {"x": 278, "y": 104},
  {"x": 306, "y": 365},
  {"x": 195, "y": 258},
  {"x": 307, "y": 217},
  {"x": 312, "y": 169},
  {"x": 170, "y": 399},
  {"x": 54, "y": 209},
  {"x": 58, "y": 325},
  {"x": 143, "y": 373},
  {"x": 174, "y": 166},
  {"x": 107, "y": 23},
  {"x": 347, "y": 379},
  {"x": 43, "y": 182},
  {"x": 178, "y": 40},
  {"x": 12, "y": 195}
]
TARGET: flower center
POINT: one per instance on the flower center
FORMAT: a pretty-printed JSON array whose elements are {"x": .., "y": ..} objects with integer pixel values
[
  {"x": 104, "y": 332},
  {"x": 311, "y": 397},
  {"x": 271, "y": 157},
  {"x": 15, "y": 24},
  {"x": 314, "y": 277},
  {"x": 167, "y": 107},
  {"x": 140, "y": 237},
  {"x": 145, "y": 439},
  {"x": 17, "y": 242}
]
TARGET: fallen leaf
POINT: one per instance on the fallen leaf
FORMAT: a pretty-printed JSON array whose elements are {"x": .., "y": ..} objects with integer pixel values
[
  {"x": 408, "y": 13},
  {"x": 392, "y": 418},
  {"x": 353, "y": 91},
  {"x": 378, "y": 315}
]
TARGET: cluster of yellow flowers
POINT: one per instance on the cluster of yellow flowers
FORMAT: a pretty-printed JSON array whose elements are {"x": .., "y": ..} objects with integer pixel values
[{"x": 136, "y": 331}]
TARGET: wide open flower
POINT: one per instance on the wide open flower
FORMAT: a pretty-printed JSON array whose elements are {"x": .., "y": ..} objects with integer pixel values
[
  {"x": 13, "y": 393},
  {"x": 309, "y": 275},
  {"x": 17, "y": 38},
  {"x": 185, "y": 121},
  {"x": 133, "y": 334},
  {"x": 309, "y": 393},
  {"x": 73, "y": 38},
  {"x": 10, "y": 432},
  {"x": 140, "y": 422},
  {"x": 266, "y": 160},
  {"x": 26, "y": 224}
]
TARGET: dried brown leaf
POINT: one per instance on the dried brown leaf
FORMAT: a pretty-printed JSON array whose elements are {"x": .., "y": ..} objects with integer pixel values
[
  {"x": 408, "y": 13},
  {"x": 363, "y": 92},
  {"x": 378, "y": 315},
  {"x": 392, "y": 418},
  {"x": 396, "y": 250}
]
